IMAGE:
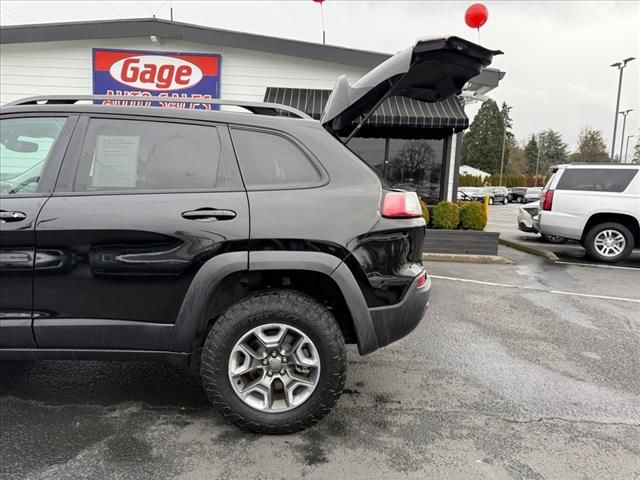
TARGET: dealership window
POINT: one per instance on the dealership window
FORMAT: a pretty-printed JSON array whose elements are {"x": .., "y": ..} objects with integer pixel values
[
  {"x": 409, "y": 164},
  {"x": 416, "y": 165},
  {"x": 142, "y": 155}
]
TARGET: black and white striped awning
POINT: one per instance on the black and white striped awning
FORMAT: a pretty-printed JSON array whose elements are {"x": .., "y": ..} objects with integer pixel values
[{"x": 396, "y": 117}]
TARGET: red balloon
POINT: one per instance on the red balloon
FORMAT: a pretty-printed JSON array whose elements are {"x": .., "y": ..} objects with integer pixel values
[
  {"x": 476, "y": 15},
  {"x": 318, "y": 1}
]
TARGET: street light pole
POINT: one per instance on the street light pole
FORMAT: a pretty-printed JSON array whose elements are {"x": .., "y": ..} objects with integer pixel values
[
  {"x": 620, "y": 66},
  {"x": 504, "y": 143},
  {"x": 535, "y": 180},
  {"x": 505, "y": 114},
  {"x": 624, "y": 124},
  {"x": 626, "y": 150}
]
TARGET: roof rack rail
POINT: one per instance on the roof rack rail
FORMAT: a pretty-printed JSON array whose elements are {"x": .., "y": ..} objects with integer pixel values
[
  {"x": 613, "y": 164},
  {"x": 259, "y": 108}
]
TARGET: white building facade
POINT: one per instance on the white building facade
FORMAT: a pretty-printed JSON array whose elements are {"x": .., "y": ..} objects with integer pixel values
[
  {"x": 476, "y": 172},
  {"x": 65, "y": 67}
]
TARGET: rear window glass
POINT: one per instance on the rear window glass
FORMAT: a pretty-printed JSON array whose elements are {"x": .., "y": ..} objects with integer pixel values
[
  {"x": 269, "y": 161},
  {"x": 596, "y": 179}
]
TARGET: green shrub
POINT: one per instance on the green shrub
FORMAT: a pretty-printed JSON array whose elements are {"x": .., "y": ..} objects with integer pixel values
[
  {"x": 425, "y": 211},
  {"x": 446, "y": 216},
  {"x": 473, "y": 216}
]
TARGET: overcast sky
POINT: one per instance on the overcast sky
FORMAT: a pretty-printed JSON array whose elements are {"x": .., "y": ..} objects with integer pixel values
[{"x": 557, "y": 54}]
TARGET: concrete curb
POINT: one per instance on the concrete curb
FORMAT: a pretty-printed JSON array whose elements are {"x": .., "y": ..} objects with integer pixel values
[
  {"x": 464, "y": 258},
  {"x": 541, "y": 252}
]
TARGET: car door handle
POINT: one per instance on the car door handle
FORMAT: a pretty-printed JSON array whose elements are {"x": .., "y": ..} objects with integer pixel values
[
  {"x": 7, "y": 216},
  {"x": 209, "y": 214}
]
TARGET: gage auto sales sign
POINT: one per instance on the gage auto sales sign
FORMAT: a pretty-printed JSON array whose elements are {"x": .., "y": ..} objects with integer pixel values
[{"x": 159, "y": 74}]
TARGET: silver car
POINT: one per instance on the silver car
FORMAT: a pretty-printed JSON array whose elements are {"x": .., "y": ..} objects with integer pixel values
[
  {"x": 527, "y": 218},
  {"x": 532, "y": 194}
]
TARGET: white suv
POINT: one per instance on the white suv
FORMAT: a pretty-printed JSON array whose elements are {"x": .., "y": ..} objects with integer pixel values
[{"x": 596, "y": 204}]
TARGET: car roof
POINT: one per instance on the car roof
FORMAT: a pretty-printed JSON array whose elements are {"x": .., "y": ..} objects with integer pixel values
[{"x": 599, "y": 165}]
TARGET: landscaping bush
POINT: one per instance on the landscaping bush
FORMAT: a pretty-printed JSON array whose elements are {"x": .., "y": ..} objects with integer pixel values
[
  {"x": 473, "y": 216},
  {"x": 425, "y": 211},
  {"x": 446, "y": 216}
]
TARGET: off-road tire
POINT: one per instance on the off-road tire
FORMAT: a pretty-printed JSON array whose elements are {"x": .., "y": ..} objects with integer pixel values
[
  {"x": 274, "y": 306},
  {"x": 589, "y": 240}
]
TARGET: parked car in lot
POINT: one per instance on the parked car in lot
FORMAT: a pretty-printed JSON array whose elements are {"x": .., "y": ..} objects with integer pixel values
[
  {"x": 498, "y": 195},
  {"x": 471, "y": 193},
  {"x": 463, "y": 196},
  {"x": 126, "y": 235},
  {"x": 595, "y": 204},
  {"x": 524, "y": 194},
  {"x": 532, "y": 194},
  {"x": 516, "y": 194},
  {"x": 527, "y": 217},
  {"x": 526, "y": 214}
]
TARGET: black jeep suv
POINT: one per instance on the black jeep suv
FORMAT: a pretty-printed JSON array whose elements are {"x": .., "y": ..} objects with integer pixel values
[{"x": 252, "y": 246}]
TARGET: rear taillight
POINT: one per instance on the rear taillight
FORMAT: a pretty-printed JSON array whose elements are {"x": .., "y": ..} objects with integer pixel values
[
  {"x": 547, "y": 201},
  {"x": 422, "y": 280},
  {"x": 401, "y": 205}
]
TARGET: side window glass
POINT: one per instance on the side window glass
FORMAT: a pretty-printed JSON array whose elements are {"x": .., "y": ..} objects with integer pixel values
[
  {"x": 596, "y": 179},
  {"x": 270, "y": 161},
  {"x": 137, "y": 155},
  {"x": 25, "y": 144}
]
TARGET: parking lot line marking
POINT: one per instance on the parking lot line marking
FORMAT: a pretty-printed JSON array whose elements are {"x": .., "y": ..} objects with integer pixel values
[
  {"x": 597, "y": 266},
  {"x": 468, "y": 280},
  {"x": 589, "y": 295},
  {"x": 536, "y": 289}
]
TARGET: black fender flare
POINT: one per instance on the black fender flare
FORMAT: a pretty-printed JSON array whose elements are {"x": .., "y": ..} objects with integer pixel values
[{"x": 191, "y": 319}]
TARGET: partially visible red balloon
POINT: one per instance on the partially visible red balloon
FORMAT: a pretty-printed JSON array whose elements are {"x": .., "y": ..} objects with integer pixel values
[
  {"x": 318, "y": 1},
  {"x": 476, "y": 15}
]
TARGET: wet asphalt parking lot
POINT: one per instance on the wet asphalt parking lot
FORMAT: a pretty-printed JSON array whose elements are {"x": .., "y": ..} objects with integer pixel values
[{"x": 524, "y": 371}]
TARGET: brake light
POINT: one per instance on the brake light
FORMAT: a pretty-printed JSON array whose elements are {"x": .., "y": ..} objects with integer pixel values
[
  {"x": 547, "y": 201},
  {"x": 422, "y": 280},
  {"x": 401, "y": 205}
]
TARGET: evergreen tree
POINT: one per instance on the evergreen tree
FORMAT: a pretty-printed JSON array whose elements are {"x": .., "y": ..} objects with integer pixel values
[
  {"x": 636, "y": 154},
  {"x": 553, "y": 150},
  {"x": 531, "y": 155},
  {"x": 510, "y": 143},
  {"x": 482, "y": 144},
  {"x": 504, "y": 110},
  {"x": 591, "y": 147}
]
